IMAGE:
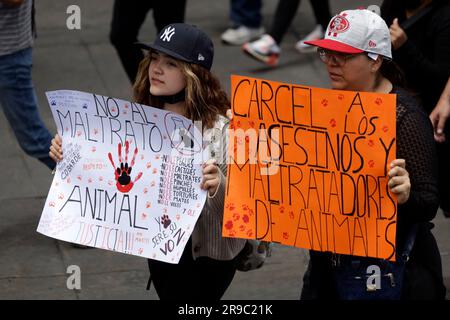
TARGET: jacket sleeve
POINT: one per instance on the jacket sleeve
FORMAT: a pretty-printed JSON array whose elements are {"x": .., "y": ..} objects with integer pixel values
[
  {"x": 416, "y": 145},
  {"x": 216, "y": 204}
]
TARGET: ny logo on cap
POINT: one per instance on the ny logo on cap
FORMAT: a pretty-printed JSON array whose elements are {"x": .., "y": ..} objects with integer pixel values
[
  {"x": 338, "y": 24},
  {"x": 168, "y": 33}
]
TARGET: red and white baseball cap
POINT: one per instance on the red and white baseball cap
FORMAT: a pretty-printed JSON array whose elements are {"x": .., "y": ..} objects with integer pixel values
[{"x": 356, "y": 31}]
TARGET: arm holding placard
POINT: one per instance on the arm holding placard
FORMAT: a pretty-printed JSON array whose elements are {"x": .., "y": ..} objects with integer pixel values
[
  {"x": 216, "y": 198},
  {"x": 415, "y": 144},
  {"x": 207, "y": 236}
]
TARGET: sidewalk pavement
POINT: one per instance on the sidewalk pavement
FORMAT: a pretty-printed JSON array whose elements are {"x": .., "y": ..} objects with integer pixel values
[{"x": 33, "y": 266}]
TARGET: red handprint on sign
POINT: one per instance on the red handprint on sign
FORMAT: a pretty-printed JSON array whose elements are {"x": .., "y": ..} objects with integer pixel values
[{"x": 122, "y": 173}]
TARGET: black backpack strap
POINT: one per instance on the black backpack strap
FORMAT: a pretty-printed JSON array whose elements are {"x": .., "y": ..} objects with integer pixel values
[
  {"x": 409, "y": 243},
  {"x": 149, "y": 283}
]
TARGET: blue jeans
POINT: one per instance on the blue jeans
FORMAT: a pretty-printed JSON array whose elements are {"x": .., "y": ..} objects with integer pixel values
[
  {"x": 246, "y": 13},
  {"x": 19, "y": 103}
]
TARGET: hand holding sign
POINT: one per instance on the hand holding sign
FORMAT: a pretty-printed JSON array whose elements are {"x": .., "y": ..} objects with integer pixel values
[
  {"x": 56, "y": 148},
  {"x": 399, "y": 180},
  {"x": 211, "y": 177}
]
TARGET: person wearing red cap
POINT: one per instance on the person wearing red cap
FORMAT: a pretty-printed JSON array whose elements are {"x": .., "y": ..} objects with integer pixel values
[
  {"x": 357, "y": 53},
  {"x": 175, "y": 76}
]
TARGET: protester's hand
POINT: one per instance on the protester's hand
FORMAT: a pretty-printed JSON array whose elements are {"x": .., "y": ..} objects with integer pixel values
[
  {"x": 398, "y": 35},
  {"x": 211, "y": 177},
  {"x": 399, "y": 182},
  {"x": 229, "y": 114},
  {"x": 56, "y": 149},
  {"x": 439, "y": 116},
  {"x": 12, "y": 3}
]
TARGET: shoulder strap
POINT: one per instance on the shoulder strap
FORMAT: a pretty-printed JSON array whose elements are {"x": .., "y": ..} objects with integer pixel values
[
  {"x": 409, "y": 244},
  {"x": 422, "y": 13},
  {"x": 149, "y": 283}
]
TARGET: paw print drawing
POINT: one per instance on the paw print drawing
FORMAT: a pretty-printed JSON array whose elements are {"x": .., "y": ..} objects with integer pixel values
[
  {"x": 122, "y": 173},
  {"x": 165, "y": 221},
  {"x": 229, "y": 225}
]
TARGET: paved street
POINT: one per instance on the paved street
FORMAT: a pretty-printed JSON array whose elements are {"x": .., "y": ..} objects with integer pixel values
[{"x": 33, "y": 266}]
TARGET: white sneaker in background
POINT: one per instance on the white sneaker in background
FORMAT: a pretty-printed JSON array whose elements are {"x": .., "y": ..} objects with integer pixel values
[
  {"x": 265, "y": 49},
  {"x": 316, "y": 34},
  {"x": 240, "y": 35}
]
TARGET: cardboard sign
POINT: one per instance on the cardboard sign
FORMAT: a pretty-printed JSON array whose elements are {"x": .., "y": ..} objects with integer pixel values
[
  {"x": 308, "y": 168},
  {"x": 129, "y": 180}
]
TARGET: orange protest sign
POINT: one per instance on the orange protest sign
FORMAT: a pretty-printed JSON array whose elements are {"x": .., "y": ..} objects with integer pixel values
[{"x": 307, "y": 167}]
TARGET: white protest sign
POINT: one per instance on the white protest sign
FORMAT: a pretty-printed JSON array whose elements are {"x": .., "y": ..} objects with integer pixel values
[{"x": 130, "y": 178}]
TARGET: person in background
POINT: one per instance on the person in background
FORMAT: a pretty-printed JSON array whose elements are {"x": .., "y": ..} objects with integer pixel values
[
  {"x": 267, "y": 48},
  {"x": 17, "y": 95},
  {"x": 128, "y": 17},
  {"x": 245, "y": 16}
]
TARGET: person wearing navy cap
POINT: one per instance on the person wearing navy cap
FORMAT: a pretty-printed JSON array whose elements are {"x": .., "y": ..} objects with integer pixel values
[{"x": 175, "y": 76}]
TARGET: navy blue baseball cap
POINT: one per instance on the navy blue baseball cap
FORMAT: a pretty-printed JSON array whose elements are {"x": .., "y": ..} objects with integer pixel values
[{"x": 184, "y": 42}]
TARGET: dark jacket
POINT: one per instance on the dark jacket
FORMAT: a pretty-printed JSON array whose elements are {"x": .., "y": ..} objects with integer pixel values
[{"x": 425, "y": 57}]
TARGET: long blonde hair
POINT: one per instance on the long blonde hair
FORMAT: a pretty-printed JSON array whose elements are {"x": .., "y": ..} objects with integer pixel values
[{"x": 205, "y": 98}]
